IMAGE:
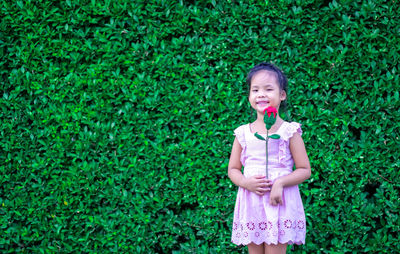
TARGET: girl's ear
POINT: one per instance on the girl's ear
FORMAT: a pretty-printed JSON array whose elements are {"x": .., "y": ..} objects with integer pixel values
[{"x": 283, "y": 95}]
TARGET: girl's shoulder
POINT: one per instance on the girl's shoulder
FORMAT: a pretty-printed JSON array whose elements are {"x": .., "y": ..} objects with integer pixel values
[
  {"x": 240, "y": 133},
  {"x": 288, "y": 129},
  {"x": 242, "y": 128}
]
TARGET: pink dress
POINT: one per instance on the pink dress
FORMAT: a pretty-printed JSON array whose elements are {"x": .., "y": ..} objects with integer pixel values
[{"x": 255, "y": 220}]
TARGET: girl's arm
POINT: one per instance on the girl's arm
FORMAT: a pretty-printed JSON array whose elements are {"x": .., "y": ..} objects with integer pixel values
[
  {"x": 302, "y": 172},
  {"x": 303, "y": 169},
  {"x": 256, "y": 184}
]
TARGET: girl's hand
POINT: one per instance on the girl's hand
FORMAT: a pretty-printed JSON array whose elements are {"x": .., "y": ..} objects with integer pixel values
[
  {"x": 275, "y": 197},
  {"x": 257, "y": 184}
]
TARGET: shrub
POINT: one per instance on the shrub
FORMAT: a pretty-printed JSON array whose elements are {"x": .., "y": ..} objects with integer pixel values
[{"x": 117, "y": 121}]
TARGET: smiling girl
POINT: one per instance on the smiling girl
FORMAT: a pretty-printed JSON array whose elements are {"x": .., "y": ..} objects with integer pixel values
[{"x": 269, "y": 212}]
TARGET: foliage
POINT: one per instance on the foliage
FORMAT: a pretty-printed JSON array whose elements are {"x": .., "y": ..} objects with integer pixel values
[{"x": 117, "y": 120}]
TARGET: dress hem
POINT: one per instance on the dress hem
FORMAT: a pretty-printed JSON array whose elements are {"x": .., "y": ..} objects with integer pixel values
[{"x": 269, "y": 243}]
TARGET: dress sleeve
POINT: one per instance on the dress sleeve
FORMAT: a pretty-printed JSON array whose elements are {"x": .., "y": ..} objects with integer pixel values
[
  {"x": 291, "y": 129},
  {"x": 239, "y": 133},
  {"x": 287, "y": 133}
]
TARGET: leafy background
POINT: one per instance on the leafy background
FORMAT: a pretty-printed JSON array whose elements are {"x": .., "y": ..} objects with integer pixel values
[{"x": 117, "y": 120}]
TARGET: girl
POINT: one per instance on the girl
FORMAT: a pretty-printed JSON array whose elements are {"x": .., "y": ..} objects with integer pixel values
[{"x": 269, "y": 212}]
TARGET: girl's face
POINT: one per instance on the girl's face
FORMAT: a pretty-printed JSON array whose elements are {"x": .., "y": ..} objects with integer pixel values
[{"x": 265, "y": 91}]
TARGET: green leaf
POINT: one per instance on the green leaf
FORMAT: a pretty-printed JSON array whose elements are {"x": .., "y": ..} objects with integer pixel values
[
  {"x": 259, "y": 136},
  {"x": 275, "y": 136}
]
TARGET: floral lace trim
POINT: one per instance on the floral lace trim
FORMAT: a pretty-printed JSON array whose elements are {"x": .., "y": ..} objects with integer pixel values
[{"x": 283, "y": 231}]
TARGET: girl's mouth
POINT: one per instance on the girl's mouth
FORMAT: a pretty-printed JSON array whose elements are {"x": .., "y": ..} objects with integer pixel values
[{"x": 262, "y": 103}]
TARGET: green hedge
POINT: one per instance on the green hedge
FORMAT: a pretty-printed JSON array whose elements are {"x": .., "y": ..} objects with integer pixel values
[{"x": 117, "y": 120}]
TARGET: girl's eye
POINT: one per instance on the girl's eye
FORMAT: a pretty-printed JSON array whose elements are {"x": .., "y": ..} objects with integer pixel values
[{"x": 255, "y": 90}]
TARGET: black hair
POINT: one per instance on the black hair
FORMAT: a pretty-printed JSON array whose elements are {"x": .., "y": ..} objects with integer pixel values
[{"x": 282, "y": 80}]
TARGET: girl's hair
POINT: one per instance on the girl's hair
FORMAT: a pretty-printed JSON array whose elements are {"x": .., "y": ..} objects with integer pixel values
[{"x": 282, "y": 80}]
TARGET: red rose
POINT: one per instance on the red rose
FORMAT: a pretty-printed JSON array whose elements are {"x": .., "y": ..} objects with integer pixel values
[
  {"x": 270, "y": 110},
  {"x": 269, "y": 121}
]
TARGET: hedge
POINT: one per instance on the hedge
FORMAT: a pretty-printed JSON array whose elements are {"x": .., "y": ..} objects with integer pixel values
[{"x": 117, "y": 121}]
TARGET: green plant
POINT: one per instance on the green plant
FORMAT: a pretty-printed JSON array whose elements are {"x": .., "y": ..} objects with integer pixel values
[{"x": 116, "y": 121}]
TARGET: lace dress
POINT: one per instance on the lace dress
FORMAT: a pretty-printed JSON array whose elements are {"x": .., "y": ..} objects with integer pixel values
[{"x": 255, "y": 220}]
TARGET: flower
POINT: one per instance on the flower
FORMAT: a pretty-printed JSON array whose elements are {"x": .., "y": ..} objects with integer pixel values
[
  {"x": 270, "y": 110},
  {"x": 270, "y": 119}
]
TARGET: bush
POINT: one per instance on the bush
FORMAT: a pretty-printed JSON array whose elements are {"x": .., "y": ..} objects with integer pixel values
[{"x": 117, "y": 121}]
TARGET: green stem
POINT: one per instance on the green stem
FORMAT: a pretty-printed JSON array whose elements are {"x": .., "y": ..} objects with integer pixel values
[{"x": 266, "y": 153}]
